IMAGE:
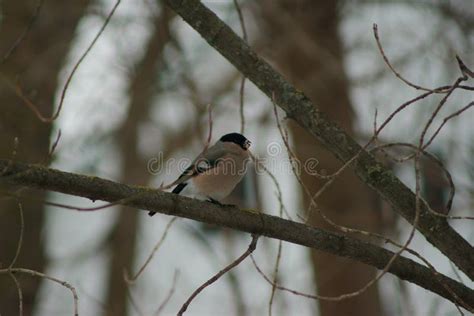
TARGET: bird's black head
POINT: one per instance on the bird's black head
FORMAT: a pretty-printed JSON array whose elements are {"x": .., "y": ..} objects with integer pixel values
[{"x": 238, "y": 139}]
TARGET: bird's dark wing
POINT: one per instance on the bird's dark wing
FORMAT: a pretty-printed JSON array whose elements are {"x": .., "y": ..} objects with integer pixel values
[
  {"x": 179, "y": 188},
  {"x": 193, "y": 171},
  {"x": 202, "y": 163}
]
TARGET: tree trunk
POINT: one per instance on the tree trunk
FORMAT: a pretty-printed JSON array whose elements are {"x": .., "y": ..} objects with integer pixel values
[
  {"x": 134, "y": 166},
  {"x": 303, "y": 41},
  {"x": 34, "y": 62}
]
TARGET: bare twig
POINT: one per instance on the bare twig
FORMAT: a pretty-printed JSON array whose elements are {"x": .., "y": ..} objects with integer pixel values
[
  {"x": 169, "y": 295},
  {"x": 209, "y": 133},
  {"x": 34, "y": 17},
  {"x": 251, "y": 248},
  {"x": 440, "y": 164},
  {"x": 464, "y": 69},
  {"x": 387, "y": 62},
  {"x": 135, "y": 305},
  {"x": 242, "y": 82},
  {"x": 438, "y": 108},
  {"x": 49, "y": 158},
  {"x": 20, "y": 293},
  {"x": 131, "y": 280},
  {"x": 277, "y": 260},
  {"x": 259, "y": 164},
  {"x": 34, "y": 108},
  {"x": 45, "y": 276},
  {"x": 321, "y": 297},
  {"x": 445, "y": 120},
  {"x": 275, "y": 277},
  {"x": 242, "y": 113},
  {"x": 20, "y": 239},
  {"x": 55, "y": 144}
]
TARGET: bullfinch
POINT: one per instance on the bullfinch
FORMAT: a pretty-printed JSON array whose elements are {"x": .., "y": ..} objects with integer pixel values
[{"x": 214, "y": 174}]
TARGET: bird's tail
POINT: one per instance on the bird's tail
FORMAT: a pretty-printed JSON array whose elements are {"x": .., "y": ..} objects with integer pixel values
[
  {"x": 176, "y": 190},
  {"x": 179, "y": 188}
]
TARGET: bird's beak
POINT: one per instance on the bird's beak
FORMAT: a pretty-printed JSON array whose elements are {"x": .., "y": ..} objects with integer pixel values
[{"x": 247, "y": 144}]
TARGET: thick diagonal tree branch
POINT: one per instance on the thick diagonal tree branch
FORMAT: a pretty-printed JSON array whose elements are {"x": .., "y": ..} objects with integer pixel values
[
  {"x": 298, "y": 107},
  {"x": 94, "y": 188}
]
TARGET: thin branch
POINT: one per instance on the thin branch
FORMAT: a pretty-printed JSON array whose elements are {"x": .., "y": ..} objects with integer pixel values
[
  {"x": 49, "y": 157},
  {"x": 20, "y": 239},
  {"x": 275, "y": 277},
  {"x": 33, "y": 107},
  {"x": 248, "y": 252},
  {"x": 34, "y": 17},
  {"x": 55, "y": 144},
  {"x": 440, "y": 164},
  {"x": 445, "y": 120},
  {"x": 395, "y": 72},
  {"x": 464, "y": 69},
  {"x": 241, "y": 19},
  {"x": 134, "y": 303},
  {"x": 169, "y": 295},
  {"x": 45, "y": 276},
  {"x": 437, "y": 109},
  {"x": 314, "y": 296},
  {"x": 131, "y": 280},
  {"x": 277, "y": 259},
  {"x": 279, "y": 193},
  {"x": 20, "y": 293},
  {"x": 241, "y": 111},
  {"x": 242, "y": 82},
  {"x": 209, "y": 133}
]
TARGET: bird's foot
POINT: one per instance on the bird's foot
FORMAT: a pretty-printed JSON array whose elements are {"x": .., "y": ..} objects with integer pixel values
[
  {"x": 230, "y": 205},
  {"x": 251, "y": 210},
  {"x": 214, "y": 201},
  {"x": 219, "y": 203}
]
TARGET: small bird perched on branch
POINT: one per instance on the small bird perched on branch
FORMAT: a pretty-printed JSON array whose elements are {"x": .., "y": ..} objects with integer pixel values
[{"x": 214, "y": 174}]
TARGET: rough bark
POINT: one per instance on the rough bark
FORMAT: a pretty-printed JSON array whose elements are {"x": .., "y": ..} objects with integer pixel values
[
  {"x": 94, "y": 188},
  {"x": 33, "y": 62},
  {"x": 309, "y": 116}
]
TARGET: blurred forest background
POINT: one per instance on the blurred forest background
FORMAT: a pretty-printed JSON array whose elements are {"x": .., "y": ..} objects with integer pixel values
[{"x": 141, "y": 95}]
